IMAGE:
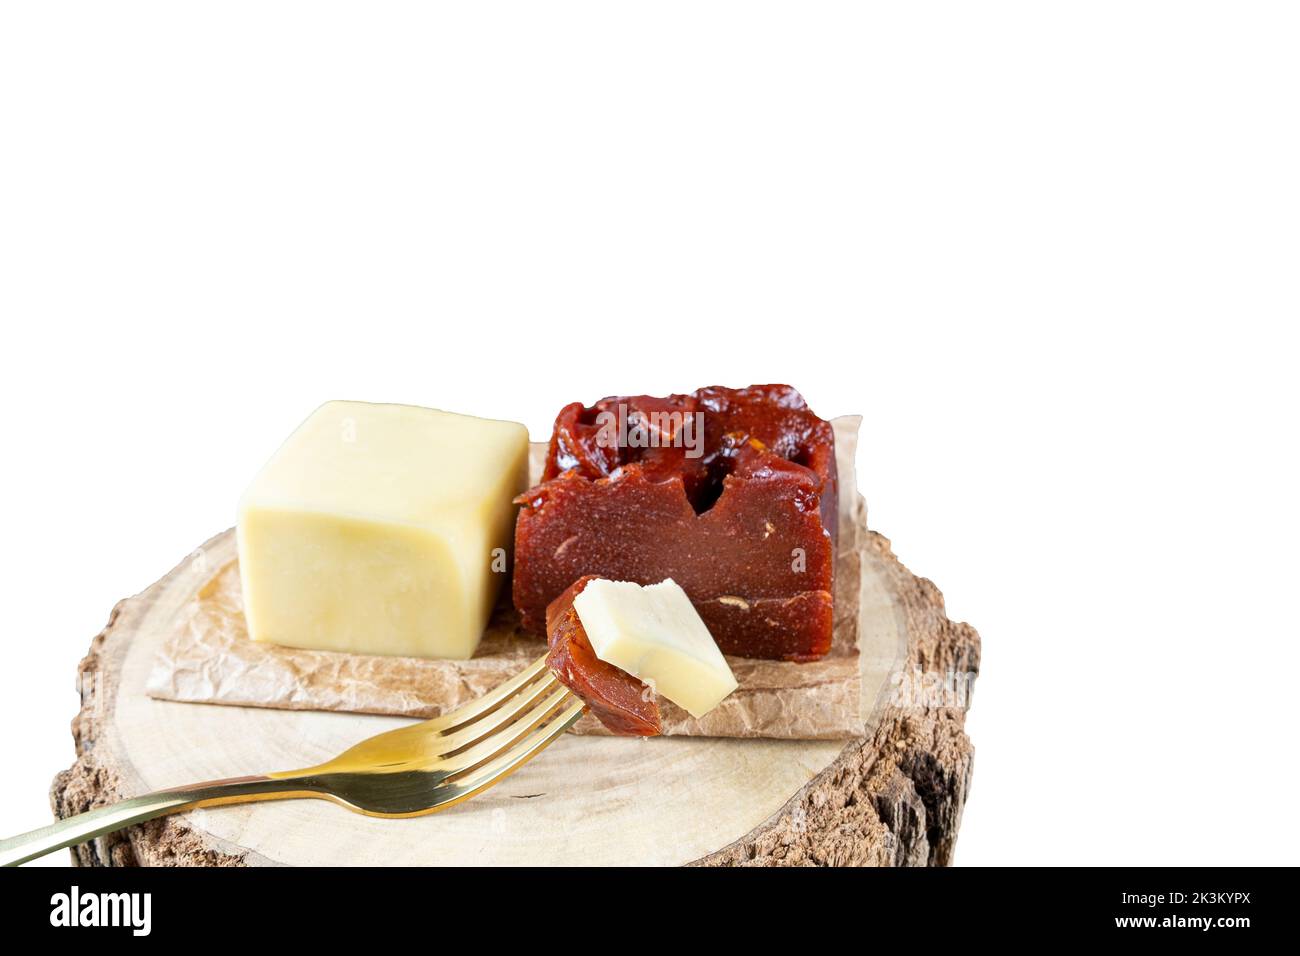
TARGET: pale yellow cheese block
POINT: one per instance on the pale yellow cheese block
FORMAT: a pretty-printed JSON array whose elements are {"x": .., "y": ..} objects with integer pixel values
[
  {"x": 381, "y": 529},
  {"x": 656, "y": 634}
]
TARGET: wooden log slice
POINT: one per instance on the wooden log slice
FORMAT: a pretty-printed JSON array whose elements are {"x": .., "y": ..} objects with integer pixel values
[{"x": 890, "y": 798}]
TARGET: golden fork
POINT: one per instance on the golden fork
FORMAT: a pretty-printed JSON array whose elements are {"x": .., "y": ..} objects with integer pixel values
[{"x": 406, "y": 772}]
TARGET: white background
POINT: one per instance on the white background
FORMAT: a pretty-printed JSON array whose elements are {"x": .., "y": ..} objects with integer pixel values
[{"x": 1049, "y": 250}]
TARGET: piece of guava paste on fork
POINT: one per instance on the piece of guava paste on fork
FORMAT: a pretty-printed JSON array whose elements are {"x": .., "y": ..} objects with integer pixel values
[
  {"x": 624, "y": 704},
  {"x": 637, "y": 633}
]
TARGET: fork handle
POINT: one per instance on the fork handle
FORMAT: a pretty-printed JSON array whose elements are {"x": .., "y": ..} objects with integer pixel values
[{"x": 93, "y": 823}]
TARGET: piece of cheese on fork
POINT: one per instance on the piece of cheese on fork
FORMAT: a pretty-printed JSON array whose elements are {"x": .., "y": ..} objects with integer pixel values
[
  {"x": 381, "y": 529},
  {"x": 655, "y": 634}
]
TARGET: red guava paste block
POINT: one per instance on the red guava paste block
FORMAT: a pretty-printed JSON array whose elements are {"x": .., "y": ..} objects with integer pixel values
[
  {"x": 622, "y": 703},
  {"x": 729, "y": 492}
]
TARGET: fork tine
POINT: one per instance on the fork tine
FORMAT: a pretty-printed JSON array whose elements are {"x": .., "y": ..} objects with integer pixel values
[
  {"x": 474, "y": 732},
  {"x": 454, "y": 719},
  {"x": 506, "y": 738},
  {"x": 423, "y": 741},
  {"x": 467, "y": 784}
]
